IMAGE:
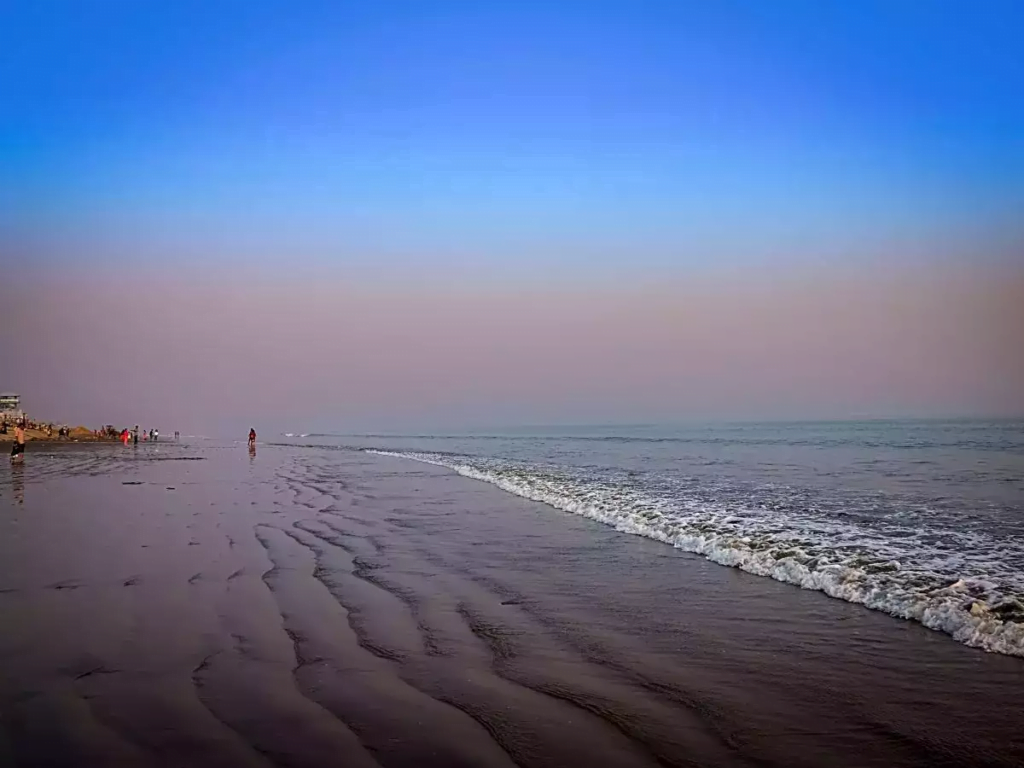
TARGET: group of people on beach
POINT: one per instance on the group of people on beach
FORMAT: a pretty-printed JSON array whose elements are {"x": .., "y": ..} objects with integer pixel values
[
  {"x": 63, "y": 432},
  {"x": 6, "y": 423},
  {"x": 126, "y": 436},
  {"x": 111, "y": 432},
  {"x": 132, "y": 435}
]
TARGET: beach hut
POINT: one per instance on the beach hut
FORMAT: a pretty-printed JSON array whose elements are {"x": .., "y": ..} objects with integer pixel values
[{"x": 10, "y": 407}]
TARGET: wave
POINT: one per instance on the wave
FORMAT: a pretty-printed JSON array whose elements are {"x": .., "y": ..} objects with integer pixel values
[{"x": 953, "y": 581}]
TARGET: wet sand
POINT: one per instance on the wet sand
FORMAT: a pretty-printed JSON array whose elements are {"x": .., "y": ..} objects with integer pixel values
[{"x": 195, "y": 606}]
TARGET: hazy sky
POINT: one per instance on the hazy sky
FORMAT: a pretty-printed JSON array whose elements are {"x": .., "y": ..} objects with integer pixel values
[{"x": 432, "y": 213}]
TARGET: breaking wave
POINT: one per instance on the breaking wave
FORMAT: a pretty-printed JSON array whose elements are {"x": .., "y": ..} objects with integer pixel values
[{"x": 966, "y": 584}]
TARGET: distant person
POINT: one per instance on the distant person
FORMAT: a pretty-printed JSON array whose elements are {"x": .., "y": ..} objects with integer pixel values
[
  {"x": 18, "y": 449},
  {"x": 135, "y": 435},
  {"x": 252, "y": 438},
  {"x": 177, "y": 435},
  {"x": 156, "y": 434}
]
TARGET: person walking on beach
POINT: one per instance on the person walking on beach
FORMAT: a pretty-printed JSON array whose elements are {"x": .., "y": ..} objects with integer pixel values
[
  {"x": 18, "y": 449},
  {"x": 135, "y": 435},
  {"x": 252, "y": 437}
]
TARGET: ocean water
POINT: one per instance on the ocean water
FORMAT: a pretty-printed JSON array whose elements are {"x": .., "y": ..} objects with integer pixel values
[{"x": 923, "y": 520}]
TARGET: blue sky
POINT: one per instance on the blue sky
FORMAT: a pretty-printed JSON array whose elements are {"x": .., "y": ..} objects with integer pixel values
[
  {"x": 530, "y": 212},
  {"x": 647, "y": 134}
]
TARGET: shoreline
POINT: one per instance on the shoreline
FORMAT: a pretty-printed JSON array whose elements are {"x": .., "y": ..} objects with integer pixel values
[
  {"x": 992, "y": 628},
  {"x": 61, "y": 446}
]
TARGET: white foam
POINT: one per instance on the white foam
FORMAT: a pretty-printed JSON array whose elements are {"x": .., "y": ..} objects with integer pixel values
[{"x": 897, "y": 575}]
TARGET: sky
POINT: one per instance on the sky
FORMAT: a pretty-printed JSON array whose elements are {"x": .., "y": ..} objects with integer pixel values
[{"x": 447, "y": 214}]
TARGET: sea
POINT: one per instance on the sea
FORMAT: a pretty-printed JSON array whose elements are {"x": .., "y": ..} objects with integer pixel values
[{"x": 922, "y": 520}]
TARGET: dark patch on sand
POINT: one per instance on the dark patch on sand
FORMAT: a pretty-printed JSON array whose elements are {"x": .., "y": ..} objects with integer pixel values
[
  {"x": 67, "y": 584},
  {"x": 101, "y": 670},
  {"x": 204, "y": 664}
]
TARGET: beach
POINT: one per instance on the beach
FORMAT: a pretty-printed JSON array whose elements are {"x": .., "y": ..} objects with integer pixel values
[{"x": 196, "y": 605}]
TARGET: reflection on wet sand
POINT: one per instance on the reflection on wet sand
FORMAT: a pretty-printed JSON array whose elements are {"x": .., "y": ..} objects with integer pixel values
[{"x": 18, "y": 481}]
